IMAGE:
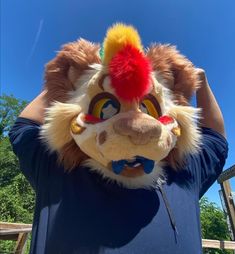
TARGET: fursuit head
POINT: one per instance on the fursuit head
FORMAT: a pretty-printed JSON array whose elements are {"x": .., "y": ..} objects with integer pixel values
[{"x": 120, "y": 109}]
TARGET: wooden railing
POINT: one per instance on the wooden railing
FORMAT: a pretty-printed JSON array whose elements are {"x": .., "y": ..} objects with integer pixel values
[
  {"x": 19, "y": 232},
  {"x": 216, "y": 244},
  {"x": 16, "y": 232}
]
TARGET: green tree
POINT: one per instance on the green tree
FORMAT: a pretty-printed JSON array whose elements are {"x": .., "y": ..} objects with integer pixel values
[
  {"x": 10, "y": 108},
  {"x": 213, "y": 224},
  {"x": 16, "y": 195}
]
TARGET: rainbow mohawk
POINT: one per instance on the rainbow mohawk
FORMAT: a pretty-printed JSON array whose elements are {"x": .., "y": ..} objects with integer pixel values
[
  {"x": 129, "y": 68},
  {"x": 117, "y": 37}
]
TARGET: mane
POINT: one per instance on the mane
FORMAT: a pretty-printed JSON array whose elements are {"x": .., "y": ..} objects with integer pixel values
[
  {"x": 175, "y": 71},
  {"x": 69, "y": 64}
]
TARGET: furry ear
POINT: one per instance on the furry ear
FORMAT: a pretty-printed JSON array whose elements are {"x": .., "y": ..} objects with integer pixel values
[
  {"x": 62, "y": 72},
  {"x": 174, "y": 71},
  {"x": 190, "y": 139}
]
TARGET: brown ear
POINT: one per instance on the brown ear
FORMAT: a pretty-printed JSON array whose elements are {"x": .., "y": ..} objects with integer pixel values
[
  {"x": 175, "y": 71},
  {"x": 67, "y": 66}
]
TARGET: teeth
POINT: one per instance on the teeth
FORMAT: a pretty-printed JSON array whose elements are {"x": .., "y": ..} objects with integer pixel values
[
  {"x": 137, "y": 165},
  {"x": 131, "y": 160}
]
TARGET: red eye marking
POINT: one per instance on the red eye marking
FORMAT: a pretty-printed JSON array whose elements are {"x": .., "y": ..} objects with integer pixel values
[
  {"x": 92, "y": 119},
  {"x": 165, "y": 120}
]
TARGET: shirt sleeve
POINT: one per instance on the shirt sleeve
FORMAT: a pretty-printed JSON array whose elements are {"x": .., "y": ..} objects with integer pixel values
[
  {"x": 28, "y": 147},
  {"x": 208, "y": 164}
]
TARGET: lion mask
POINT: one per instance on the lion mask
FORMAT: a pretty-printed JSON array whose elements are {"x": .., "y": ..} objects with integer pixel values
[{"x": 121, "y": 110}]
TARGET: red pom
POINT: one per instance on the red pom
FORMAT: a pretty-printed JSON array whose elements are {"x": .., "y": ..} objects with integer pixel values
[
  {"x": 130, "y": 73},
  {"x": 165, "y": 119}
]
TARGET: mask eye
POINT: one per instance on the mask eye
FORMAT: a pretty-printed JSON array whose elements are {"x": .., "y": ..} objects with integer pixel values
[
  {"x": 149, "y": 105},
  {"x": 104, "y": 106}
]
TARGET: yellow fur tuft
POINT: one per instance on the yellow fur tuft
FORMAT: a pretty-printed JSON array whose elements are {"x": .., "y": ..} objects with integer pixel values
[{"x": 117, "y": 37}]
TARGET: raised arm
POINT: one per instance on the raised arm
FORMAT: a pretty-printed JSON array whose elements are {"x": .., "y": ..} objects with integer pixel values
[
  {"x": 211, "y": 114},
  {"x": 35, "y": 109}
]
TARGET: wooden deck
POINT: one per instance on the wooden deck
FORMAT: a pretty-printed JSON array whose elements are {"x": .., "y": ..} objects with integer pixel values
[{"x": 19, "y": 232}]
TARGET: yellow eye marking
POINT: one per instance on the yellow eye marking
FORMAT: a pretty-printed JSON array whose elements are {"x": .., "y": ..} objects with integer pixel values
[
  {"x": 104, "y": 106},
  {"x": 98, "y": 107},
  {"x": 150, "y": 108}
]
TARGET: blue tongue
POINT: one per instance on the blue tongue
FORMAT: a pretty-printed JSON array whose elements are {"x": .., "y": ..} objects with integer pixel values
[
  {"x": 118, "y": 166},
  {"x": 148, "y": 166}
]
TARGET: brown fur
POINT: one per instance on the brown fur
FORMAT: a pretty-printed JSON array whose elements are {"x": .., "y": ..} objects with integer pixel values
[
  {"x": 75, "y": 57},
  {"x": 60, "y": 75},
  {"x": 71, "y": 156},
  {"x": 178, "y": 72},
  {"x": 174, "y": 159},
  {"x": 181, "y": 77}
]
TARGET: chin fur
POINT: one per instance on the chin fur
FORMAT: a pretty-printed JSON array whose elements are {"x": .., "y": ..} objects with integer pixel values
[{"x": 147, "y": 181}]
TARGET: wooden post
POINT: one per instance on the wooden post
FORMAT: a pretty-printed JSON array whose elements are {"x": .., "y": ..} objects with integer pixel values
[
  {"x": 227, "y": 194},
  {"x": 21, "y": 243},
  {"x": 223, "y": 180}
]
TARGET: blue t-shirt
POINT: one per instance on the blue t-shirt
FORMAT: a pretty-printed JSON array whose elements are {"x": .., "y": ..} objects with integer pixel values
[{"x": 79, "y": 212}]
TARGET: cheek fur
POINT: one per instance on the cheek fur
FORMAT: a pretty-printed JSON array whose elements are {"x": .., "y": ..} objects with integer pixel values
[
  {"x": 189, "y": 138},
  {"x": 56, "y": 130}
]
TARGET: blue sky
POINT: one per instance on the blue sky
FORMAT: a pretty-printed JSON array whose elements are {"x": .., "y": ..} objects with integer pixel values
[{"x": 203, "y": 30}]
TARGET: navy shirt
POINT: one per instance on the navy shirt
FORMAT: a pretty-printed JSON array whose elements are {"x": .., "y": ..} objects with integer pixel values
[{"x": 79, "y": 212}]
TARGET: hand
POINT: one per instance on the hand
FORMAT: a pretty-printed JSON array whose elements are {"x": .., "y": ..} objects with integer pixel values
[
  {"x": 201, "y": 76},
  {"x": 211, "y": 116},
  {"x": 35, "y": 109}
]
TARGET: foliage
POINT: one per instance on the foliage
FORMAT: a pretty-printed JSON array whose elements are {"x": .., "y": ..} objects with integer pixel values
[
  {"x": 9, "y": 166},
  {"x": 10, "y": 108},
  {"x": 213, "y": 224},
  {"x": 16, "y": 195},
  {"x": 17, "y": 201}
]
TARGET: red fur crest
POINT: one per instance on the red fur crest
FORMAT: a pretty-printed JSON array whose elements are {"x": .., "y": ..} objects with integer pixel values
[{"x": 130, "y": 73}]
